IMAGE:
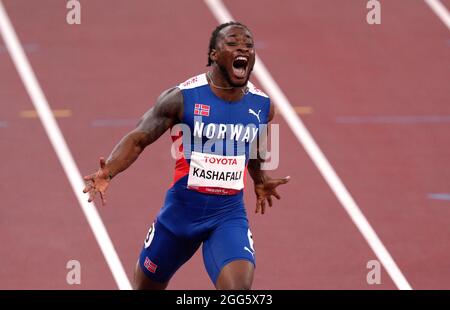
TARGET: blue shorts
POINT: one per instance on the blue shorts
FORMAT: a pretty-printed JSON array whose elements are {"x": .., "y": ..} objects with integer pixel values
[{"x": 189, "y": 219}]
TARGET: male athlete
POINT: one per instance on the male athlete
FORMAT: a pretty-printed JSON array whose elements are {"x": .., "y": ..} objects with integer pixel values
[{"x": 222, "y": 112}]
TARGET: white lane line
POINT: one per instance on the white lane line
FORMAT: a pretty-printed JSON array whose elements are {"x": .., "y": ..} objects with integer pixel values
[
  {"x": 440, "y": 10},
  {"x": 59, "y": 145},
  {"x": 304, "y": 137}
]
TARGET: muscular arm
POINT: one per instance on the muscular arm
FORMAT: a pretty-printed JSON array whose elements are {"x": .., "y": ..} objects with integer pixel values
[
  {"x": 167, "y": 112},
  {"x": 265, "y": 187},
  {"x": 254, "y": 165}
]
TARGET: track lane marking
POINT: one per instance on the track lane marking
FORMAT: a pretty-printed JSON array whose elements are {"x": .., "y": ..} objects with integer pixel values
[
  {"x": 63, "y": 113},
  {"x": 439, "y": 196},
  {"x": 440, "y": 10},
  {"x": 302, "y": 110},
  {"x": 394, "y": 119},
  {"x": 222, "y": 15},
  {"x": 59, "y": 144}
]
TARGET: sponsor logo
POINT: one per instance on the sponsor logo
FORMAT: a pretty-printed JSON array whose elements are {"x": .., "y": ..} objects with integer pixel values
[
  {"x": 150, "y": 235},
  {"x": 247, "y": 249},
  {"x": 226, "y": 172},
  {"x": 251, "y": 243},
  {"x": 254, "y": 113}
]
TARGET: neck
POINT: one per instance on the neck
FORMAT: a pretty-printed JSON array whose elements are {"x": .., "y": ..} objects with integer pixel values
[{"x": 222, "y": 88}]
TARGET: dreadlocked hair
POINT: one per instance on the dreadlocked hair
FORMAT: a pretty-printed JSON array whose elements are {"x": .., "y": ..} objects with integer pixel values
[{"x": 215, "y": 34}]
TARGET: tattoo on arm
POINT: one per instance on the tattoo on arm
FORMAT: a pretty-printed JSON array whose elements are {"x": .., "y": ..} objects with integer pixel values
[{"x": 167, "y": 112}]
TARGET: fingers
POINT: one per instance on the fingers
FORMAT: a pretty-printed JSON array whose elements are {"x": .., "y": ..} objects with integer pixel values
[
  {"x": 258, "y": 205},
  {"x": 89, "y": 177},
  {"x": 103, "y": 198},
  {"x": 269, "y": 200},
  {"x": 277, "y": 196},
  {"x": 92, "y": 192},
  {"x": 91, "y": 187},
  {"x": 87, "y": 188},
  {"x": 92, "y": 195},
  {"x": 283, "y": 180}
]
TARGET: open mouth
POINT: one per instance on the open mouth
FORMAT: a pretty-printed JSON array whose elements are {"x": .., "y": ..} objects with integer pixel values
[{"x": 240, "y": 67}]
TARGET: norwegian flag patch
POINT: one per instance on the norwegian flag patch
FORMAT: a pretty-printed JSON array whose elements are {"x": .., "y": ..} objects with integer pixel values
[
  {"x": 151, "y": 266},
  {"x": 201, "y": 109}
]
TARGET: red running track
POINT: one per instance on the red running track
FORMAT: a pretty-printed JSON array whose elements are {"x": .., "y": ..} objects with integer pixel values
[{"x": 372, "y": 90}]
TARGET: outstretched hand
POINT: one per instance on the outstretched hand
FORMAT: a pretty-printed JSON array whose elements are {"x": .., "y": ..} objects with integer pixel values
[
  {"x": 265, "y": 191},
  {"x": 98, "y": 182}
]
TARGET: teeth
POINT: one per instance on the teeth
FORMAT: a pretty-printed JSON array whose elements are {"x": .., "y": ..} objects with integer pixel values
[{"x": 241, "y": 58}]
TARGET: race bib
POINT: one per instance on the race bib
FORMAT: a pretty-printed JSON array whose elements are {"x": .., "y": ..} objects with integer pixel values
[{"x": 216, "y": 174}]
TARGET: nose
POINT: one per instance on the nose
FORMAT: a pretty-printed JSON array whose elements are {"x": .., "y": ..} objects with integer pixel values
[{"x": 243, "y": 48}]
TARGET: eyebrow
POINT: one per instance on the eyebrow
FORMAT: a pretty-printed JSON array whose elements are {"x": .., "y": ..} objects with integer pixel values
[{"x": 235, "y": 35}]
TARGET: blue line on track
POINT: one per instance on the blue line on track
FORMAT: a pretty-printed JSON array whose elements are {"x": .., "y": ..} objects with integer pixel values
[
  {"x": 28, "y": 48},
  {"x": 388, "y": 119},
  {"x": 114, "y": 122},
  {"x": 441, "y": 196}
]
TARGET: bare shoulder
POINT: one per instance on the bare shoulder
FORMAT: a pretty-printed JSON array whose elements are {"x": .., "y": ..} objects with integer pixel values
[
  {"x": 167, "y": 111},
  {"x": 170, "y": 104}
]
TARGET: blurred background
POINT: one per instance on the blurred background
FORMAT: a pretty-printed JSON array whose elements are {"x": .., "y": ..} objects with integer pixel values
[{"x": 375, "y": 98}]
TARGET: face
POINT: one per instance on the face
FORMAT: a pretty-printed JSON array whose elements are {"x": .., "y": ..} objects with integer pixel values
[{"x": 234, "y": 55}]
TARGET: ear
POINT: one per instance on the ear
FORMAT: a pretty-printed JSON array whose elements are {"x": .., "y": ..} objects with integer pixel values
[{"x": 213, "y": 55}]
